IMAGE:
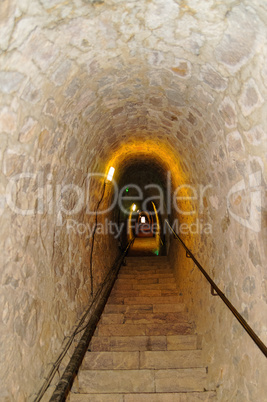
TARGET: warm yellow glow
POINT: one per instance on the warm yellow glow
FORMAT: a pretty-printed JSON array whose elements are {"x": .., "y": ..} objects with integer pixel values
[
  {"x": 143, "y": 219},
  {"x": 110, "y": 173},
  {"x": 165, "y": 154},
  {"x": 161, "y": 153},
  {"x": 134, "y": 207}
]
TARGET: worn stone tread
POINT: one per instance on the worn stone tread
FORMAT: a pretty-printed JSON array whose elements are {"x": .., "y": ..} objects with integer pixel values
[
  {"x": 180, "y": 380},
  {"x": 171, "y": 359},
  {"x": 166, "y": 308},
  {"x": 132, "y": 381},
  {"x": 172, "y": 397},
  {"x": 147, "y": 271},
  {"x": 141, "y": 276},
  {"x": 116, "y": 381},
  {"x": 208, "y": 396},
  {"x": 123, "y": 308},
  {"x": 144, "y": 318},
  {"x": 183, "y": 342},
  {"x": 111, "y": 361},
  {"x": 124, "y": 293},
  {"x": 164, "y": 328},
  {"x": 96, "y": 397},
  {"x": 163, "y": 299},
  {"x": 156, "y": 308},
  {"x": 128, "y": 343},
  {"x": 152, "y": 300},
  {"x": 134, "y": 343},
  {"x": 142, "y": 360},
  {"x": 158, "y": 286},
  {"x": 128, "y": 283}
]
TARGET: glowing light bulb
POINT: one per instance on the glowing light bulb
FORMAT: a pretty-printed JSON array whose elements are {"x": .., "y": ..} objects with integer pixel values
[
  {"x": 134, "y": 207},
  {"x": 110, "y": 173}
]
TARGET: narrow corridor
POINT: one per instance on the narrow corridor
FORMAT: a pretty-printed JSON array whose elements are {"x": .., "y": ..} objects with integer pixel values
[{"x": 116, "y": 116}]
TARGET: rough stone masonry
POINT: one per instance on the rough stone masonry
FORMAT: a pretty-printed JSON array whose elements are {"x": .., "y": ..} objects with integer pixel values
[{"x": 82, "y": 83}]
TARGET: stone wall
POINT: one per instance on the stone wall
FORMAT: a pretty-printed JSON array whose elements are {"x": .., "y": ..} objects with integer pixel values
[{"x": 89, "y": 84}]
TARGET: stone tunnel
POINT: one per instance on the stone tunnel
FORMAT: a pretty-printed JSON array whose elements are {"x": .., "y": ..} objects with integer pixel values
[{"x": 164, "y": 91}]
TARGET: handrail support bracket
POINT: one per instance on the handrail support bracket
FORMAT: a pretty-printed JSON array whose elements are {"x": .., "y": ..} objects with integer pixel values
[{"x": 213, "y": 291}]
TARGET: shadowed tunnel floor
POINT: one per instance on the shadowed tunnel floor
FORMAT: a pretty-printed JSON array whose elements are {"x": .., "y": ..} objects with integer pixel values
[{"x": 144, "y": 247}]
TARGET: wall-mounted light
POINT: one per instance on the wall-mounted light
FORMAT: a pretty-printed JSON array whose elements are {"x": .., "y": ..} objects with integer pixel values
[
  {"x": 143, "y": 219},
  {"x": 110, "y": 173},
  {"x": 133, "y": 207}
]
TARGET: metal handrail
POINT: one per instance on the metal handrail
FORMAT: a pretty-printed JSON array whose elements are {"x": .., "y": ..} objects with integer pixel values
[
  {"x": 64, "y": 385},
  {"x": 237, "y": 315}
]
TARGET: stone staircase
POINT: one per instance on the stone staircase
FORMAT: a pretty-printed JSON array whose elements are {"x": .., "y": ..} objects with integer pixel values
[{"x": 145, "y": 347}]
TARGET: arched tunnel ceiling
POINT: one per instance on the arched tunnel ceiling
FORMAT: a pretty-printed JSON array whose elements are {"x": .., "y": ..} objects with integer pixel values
[
  {"x": 147, "y": 156},
  {"x": 109, "y": 76}
]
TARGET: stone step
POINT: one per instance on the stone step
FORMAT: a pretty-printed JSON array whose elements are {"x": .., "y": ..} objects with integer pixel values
[
  {"x": 107, "y": 319},
  {"x": 156, "y": 308},
  {"x": 96, "y": 397},
  {"x": 130, "y": 282},
  {"x": 142, "y": 360},
  {"x": 149, "y": 265},
  {"x": 128, "y": 292},
  {"x": 184, "y": 342},
  {"x": 171, "y": 397},
  {"x": 147, "y": 260},
  {"x": 142, "y": 264},
  {"x": 145, "y": 276},
  {"x": 171, "y": 359},
  {"x": 156, "y": 318},
  {"x": 122, "y": 308},
  {"x": 158, "y": 286},
  {"x": 115, "y": 381},
  {"x": 182, "y": 328},
  {"x": 146, "y": 270},
  {"x": 128, "y": 343},
  {"x": 144, "y": 300},
  {"x": 181, "y": 380},
  {"x": 144, "y": 318},
  {"x": 144, "y": 347},
  {"x": 165, "y": 279},
  {"x": 111, "y": 361},
  {"x": 143, "y": 293},
  {"x": 124, "y": 284},
  {"x": 208, "y": 396},
  {"x": 133, "y": 274},
  {"x": 168, "y": 308},
  {"x": 143, "y": 343},
  {"x": 142, "y": 381}
]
